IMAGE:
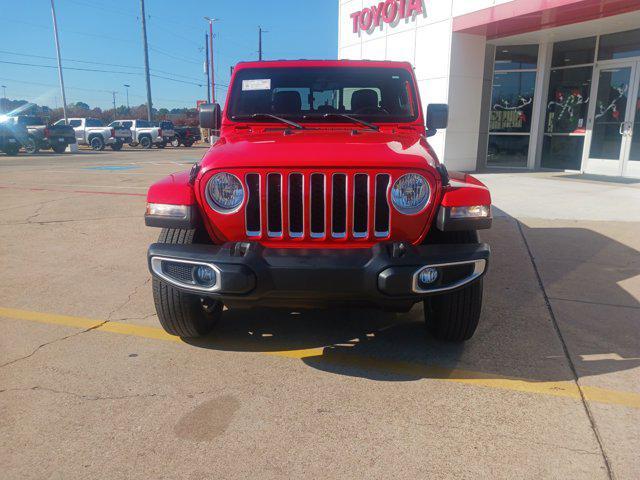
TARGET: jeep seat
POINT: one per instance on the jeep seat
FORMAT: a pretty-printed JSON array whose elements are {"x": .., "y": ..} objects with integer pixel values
[{"x": 287, "y": 103}]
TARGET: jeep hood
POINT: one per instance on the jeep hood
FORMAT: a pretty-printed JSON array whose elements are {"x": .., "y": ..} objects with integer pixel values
[{"x": 321, "y": 148}]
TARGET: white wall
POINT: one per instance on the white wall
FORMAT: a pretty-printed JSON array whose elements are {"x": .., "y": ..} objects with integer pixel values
[{"x": 449, "y": 67}]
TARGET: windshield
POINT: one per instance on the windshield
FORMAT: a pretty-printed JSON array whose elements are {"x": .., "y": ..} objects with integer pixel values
[{"x": 304, "y": 93}]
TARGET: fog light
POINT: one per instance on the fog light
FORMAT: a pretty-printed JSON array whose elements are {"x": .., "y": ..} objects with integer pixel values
[
  {"x": 428, "y": 275},
  {"x": 204, "y": 276}
]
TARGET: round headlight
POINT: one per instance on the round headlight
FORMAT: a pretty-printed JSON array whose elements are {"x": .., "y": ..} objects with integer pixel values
[
  {"x": 225, "y": 192},
  {"x": 410, "y": 193}
]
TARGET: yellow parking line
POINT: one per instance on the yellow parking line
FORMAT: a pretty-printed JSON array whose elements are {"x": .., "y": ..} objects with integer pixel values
[{"x": 329, "y": 354}]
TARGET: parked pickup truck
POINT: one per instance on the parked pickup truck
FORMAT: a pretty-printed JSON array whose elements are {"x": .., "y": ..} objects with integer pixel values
[
  {"x": 168, "y": 132},
  {"x": 41, "y": 135},
  {"x": 142, "y": 132},
  {"x": 10, "y": 136},
  {"x": 186, "y": 136},
  {"x": 334, "y": 198},
  {"x": 93, "y": 132}
]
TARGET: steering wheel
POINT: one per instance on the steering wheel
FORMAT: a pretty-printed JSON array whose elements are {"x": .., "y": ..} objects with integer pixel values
[{"x": 374, "y": 110}]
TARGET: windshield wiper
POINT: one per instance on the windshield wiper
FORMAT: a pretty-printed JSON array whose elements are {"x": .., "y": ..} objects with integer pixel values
[
  {"x": 293, "y": 124},
  {"x": 350, "y": 118}
]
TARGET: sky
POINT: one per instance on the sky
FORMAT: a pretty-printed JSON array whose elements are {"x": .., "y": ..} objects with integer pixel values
[{"x": 106, "y": 35}]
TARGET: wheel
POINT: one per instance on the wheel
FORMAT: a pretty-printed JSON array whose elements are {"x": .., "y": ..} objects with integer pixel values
[
  {"x": 183, "y": 314},
  {"x": 97, "y": 143},
  {"x": 454, "y": 316},
  {"x": 161, "y": 144},
  {"x": 145, "y": 142},
  {"x": 175, "y": 142},
  {"x": 188, "y": 143},
  {"x": 116, "y": 146},
  {"x": 11, "y": 149},
  {"x": 59, "y": 148},
  {"x": 30, "y": 145}
]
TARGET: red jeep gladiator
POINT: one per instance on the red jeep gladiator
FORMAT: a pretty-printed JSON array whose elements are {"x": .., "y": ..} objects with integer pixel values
[{"x": 322, "y": 191}]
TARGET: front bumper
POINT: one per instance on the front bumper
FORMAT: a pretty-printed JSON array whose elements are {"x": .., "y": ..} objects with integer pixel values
[{"x": 385, "y": 275}]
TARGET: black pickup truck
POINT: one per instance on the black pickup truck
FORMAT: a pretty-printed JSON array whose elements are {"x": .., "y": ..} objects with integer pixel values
[
  {"x": 10, "y": 138},
  {"x": 186, "y": 136},
  {"x": 41, "y": 135}
]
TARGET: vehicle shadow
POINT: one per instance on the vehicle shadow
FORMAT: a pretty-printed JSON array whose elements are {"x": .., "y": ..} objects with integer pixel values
[{"x": 516, "y": 337}]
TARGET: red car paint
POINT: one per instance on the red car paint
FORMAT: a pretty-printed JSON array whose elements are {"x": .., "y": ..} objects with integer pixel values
[{"x": 262, "y": 147}]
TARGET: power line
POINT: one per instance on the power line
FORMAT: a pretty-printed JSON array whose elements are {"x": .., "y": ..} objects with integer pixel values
[{"x": 96, "y": 63}]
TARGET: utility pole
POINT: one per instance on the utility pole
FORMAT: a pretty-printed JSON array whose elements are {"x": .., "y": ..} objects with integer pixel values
[
  {"x": 206, "y": 66},
  {"x": 55, "y": 34},
  {"x": 260, "y": 32},
  {"x": 146, "y": 60},
  {"x": 127, "y": 87},
  {"x": 115, "y": 112}
]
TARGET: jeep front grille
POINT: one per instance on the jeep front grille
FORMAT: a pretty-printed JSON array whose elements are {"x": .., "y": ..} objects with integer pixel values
[{"x": 317, "y": 205}]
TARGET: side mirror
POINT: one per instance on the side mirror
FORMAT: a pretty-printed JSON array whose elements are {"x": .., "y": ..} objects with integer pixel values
[
  {"x": 437, "y": 116},
  {"x": 210, "y": 116}
]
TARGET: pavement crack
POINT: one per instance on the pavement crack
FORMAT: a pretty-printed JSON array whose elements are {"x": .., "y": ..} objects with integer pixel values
[
  {"x": 128, "y": 300},
  {"x": 83, "y": 396},
  {"x": 39, "y": 347},
  {"x": 565, "y": 348},
  {"x": 29, "y": 220}
]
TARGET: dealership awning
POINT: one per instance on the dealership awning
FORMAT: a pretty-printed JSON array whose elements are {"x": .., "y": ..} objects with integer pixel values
[{"x": 521, "y": 16}]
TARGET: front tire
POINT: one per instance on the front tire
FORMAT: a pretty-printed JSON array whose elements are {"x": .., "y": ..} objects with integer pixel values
[
  {"x": 175, "y": 142},
  {"x": 183, "y": 314},
  {"x": 59, "y": 148},
  {"x": 116, "y": 147},
  {"x": 161, "y": 144},
  {"x": 454, "y": 317}
]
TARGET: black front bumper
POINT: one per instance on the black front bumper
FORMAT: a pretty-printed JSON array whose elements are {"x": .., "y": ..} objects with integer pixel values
[{"x": 385, "y": 275}]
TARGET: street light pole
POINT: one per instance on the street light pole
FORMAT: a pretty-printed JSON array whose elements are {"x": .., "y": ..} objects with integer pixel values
[
  {"x": 115, "y": 112},
  {"x": 55, "y": 33},
  {"x": 127, "y": 87}
]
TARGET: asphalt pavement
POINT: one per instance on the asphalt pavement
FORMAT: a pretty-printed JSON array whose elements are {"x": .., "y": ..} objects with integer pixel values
[{"x": 91, "y": 387}]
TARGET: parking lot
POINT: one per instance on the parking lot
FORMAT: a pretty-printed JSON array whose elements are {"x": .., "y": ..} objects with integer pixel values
[{"x": 91, "y": 387}]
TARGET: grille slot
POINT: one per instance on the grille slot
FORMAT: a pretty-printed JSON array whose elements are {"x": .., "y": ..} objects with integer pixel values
[
  {"x": 339, "y": 205},
  {"x": 296, "y": 205},
  {"x": 254, "y": 228},
  {"x": 381, "y": 226},
  {"x": 360, "y": 205},
  {"x": 274, "y": 204},
  {"x": 317, "y": 205}
]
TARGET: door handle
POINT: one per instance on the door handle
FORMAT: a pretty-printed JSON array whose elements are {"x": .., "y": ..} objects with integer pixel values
[{"x": 622, "y": 128}]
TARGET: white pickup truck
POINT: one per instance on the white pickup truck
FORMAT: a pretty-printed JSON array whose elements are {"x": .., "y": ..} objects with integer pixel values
[
  {"x": 93, "y": 132},
  {"x": 142, "y": 133}
]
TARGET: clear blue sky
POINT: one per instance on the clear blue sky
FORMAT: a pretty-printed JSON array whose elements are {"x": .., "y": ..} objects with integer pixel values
[{"x": 108, "y": 32}]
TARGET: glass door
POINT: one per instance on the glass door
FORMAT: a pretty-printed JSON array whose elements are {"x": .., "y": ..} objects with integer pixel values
[
  {"x": 609, "y": 118},
  {"x": 631, "y": 162}
]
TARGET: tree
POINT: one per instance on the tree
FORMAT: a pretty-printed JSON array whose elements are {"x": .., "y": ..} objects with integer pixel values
[{"x": 82, "y": 106}]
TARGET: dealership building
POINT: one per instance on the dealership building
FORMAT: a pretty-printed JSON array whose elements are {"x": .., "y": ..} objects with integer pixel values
[{"x": 530, "y": 84}]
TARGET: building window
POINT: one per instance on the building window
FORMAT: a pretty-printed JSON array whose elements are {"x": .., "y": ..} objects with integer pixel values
[
  {"x": 619, "y": 45},
  {"x": 568, "y": 103},
  {"x": 512, "y": 105}
]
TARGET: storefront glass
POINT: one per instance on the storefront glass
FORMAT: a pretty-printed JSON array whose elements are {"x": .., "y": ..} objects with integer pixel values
[{"x": 512, "y": 105}]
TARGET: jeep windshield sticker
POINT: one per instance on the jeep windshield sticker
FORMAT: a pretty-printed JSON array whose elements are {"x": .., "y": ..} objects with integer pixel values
[{"x": 258, "y": 84}]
